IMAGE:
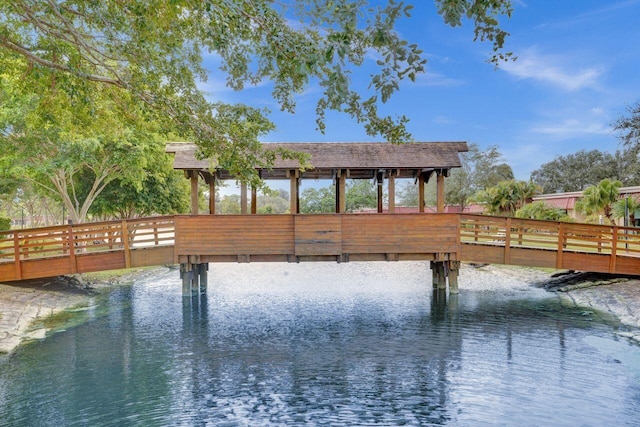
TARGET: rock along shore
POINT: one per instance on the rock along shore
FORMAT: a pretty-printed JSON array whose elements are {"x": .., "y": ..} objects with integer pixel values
[
  {"x": 618, "y": 296},
  {"x": 24, "y": 303}
]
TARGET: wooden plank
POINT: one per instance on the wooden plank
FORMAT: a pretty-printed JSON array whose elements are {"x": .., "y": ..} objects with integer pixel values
[
  {"x": 45, "y": 267},
  {"x": 150, "y": 256},
  {"x": 101, "y": 261},
  {"x": 485, "y": 254},
  {"x": 545, "y": 258},
  {"x": 234, "y": 234},
  {"x": 411, "y": 233},
  {"x": 8, "y": 272},
  {"x": 597, "y": 263},
  {"x": 318, "y": 235}
]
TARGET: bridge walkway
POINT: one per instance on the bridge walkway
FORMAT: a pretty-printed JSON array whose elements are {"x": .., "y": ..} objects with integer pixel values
[{"x": 200, "y": 239}]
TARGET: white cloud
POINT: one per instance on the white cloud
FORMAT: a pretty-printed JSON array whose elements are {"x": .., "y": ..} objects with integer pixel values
[
  {"x": 552, "y": 69},
  {"x": 443, "y": 120},
  {"x": 437, "y": 79},
  {"x": 570, "y": 128}
]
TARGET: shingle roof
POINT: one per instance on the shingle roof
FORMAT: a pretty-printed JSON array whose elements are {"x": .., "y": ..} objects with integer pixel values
[{"x": 326, "y": 156}]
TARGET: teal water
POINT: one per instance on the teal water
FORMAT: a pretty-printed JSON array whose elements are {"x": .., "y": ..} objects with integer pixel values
[{"x": 326, "y": 344}]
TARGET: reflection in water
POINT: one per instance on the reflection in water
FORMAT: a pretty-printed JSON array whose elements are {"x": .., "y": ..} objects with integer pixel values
[{"x": 355, "y": 344}]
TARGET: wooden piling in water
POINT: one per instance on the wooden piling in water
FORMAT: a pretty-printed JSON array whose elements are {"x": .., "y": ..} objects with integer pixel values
[
  {"x": 454, "y": 269},
  {"x": 194, "y": 278}
]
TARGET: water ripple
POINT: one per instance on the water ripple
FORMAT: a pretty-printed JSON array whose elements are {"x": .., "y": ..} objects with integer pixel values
[{"x": 309, "y": 344}]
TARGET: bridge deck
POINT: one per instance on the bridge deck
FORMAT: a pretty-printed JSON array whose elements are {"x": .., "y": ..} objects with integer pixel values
[{"x": 52, "y": 251}]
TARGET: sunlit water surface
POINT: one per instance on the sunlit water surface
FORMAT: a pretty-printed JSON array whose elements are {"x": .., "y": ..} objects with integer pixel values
[{"x": 326, "y": 344}]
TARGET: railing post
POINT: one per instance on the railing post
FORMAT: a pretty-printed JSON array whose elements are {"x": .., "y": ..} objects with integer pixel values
[
  {"x": 125, "y": 244},
  {"x": 72, "y": 252},
  {"x": 507, "y": 242},
  {"x": 520, "y": 231},
  {"x": 561, "y": 239},
  {"x": 599, "y": 241},
  {"x": 614, "y": 250},
  {"x": 16, "y": 255}
]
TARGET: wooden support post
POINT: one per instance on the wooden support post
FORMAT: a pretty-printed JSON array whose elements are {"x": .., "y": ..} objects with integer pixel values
[
  {"x": 454, "y": 269},
  {"x": 379, "y": 180},
  {"x": 440, "y": 191},
  {"x": 392, "y": 192},
  {"x": 439, "y": 274},
  {"x": 185, "y": 275},
  {"x": 341, "y": 189},
  {"x": 194, "y": 191},
  {"x": 294, "y": 191},
  {"x": 442, "y": 275},
  {"x": 254, "y": 200},
  {"x": 195, "y": 282},
  {"x": 421, "y": 193},
  {"x": 243, "y": 198},
  {"x": 203, "y": 269},
  {"x": 212, "y": 194}
]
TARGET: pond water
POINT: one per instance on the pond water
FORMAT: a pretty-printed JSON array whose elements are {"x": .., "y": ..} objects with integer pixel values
[{"x": 326, "y": 344}]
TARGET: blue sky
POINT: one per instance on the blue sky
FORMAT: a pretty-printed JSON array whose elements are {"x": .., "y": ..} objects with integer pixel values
[{"x": 578, "y": 70}]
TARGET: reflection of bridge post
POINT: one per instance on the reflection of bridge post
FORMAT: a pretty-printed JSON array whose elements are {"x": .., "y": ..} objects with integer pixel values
[{"x": 194, "y": 277}]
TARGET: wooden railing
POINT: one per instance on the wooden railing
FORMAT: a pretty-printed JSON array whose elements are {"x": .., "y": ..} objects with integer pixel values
[
  {"x": 49, "y": 251},
  {"x": 602, "y": 248},
  {"x": 89, "y": 237},
  {"x": 25, "y": 247}
]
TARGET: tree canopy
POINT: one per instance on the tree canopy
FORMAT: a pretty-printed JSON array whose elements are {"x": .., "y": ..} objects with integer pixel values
[
  {"x": 70, "y": 143},
  {"x": 150, "y": 52},
  {"x": 480, "y": 170},
  {"x": 628, "y": 127},
  {"x": 575, "y": 172},
  {"x": 359, "y": 194},
  {"x": 540, "y": 210}
]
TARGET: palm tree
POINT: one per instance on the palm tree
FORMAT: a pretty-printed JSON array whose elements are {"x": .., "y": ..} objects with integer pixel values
[
  {"x": 626, "y": 206},
  {"x": 507, "y": 196},
  {"x": 600, "y": 198}
]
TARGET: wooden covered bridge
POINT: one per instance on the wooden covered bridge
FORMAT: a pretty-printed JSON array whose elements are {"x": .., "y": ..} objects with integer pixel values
[{"x": 444, "y": 239}]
